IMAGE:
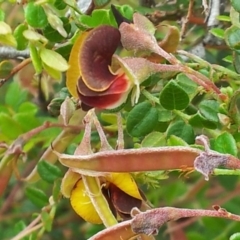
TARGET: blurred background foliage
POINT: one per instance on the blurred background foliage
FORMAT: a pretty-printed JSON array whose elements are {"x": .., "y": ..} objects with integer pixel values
[{"x": 34, "y": 95}]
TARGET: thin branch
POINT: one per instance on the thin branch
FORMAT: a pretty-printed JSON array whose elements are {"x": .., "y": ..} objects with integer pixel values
[
  {"x": 12, "y": 53},
  {"x": 186, "y": 19},
  {"x": 27, "y": 232},
  {"x": 15, "y": 70}
]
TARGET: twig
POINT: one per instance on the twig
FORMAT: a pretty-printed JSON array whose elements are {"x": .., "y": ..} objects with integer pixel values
[
  {"x": 27, "y": 136},
  {"x": 15, "y": 70},
  {"x": 221, "y": 201},
  {"x": 186, "y": 19},
  {"x": 24, "y": 233},
  {"x": 12, "y": 53},
  {"x": 15, "y": 190},
  {"x": 150, "y": 221}
]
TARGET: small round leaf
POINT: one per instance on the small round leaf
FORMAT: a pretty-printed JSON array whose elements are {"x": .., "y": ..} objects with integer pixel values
[
  {"x": 154, "y": 139},
  {"x": 18, "y": 34},
  {"x": 48, "y": 172},
  {"x": 142, "y": 119},
  {"x": 209, "y": 109},
  {"x": 173, "y": 97},
  {"x": 53, "y": 60},
  {"x": 5, "y": 68},
  {"x": 35, "y": 15},
  {"x": 236, "y": 5},
  {"x": 36, "y": 196},
  {"x": 182, "y": 130},
  {"x": 53, "y": 35},
  {"x": 225, "y": 143}
]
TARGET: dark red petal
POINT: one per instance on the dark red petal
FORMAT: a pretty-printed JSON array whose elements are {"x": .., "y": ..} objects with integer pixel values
[
  {"x": 123, "y": 202},
  {"x": 102, "y": 102},
  {"x": 120, "y": 84},
  {"x": 96, "y": 55}
]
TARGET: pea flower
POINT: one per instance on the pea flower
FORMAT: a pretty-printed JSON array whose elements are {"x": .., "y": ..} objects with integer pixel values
[
  {"x": 90, "y": 76},
  {"x": 100, "y": 78},
  {"x": 119, "y": 189}
]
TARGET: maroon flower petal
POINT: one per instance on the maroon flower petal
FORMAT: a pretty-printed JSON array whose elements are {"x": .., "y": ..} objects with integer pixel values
[
  {"x": 102, "y": 102},
  {"x": 95, "y": 57},
  {"x": 120, "y": 85}
]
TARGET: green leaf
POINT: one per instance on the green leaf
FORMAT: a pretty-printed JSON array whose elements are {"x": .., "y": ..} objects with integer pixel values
[
  {"x": 64, "y": 51},
  {"x": 141, "y": 119},
  {"x": 125, "y": 10},
  {"x": 199, "y": 121},
  {"x": 98, "y": 17},
  {"x": 232, "y": 37},
  {"x": 48, "y": 172},
  {"x": 235, "y": 236},
  {"x": 225, "y": 143},
  {"x": 101, "y": 3},
  {"x": 18, "y": 34},
  {"x": 2, "y": 15},
  {"x": 228, "y": 59},
  {"x": 228, "y": 182},
  {"x": 236, "y": 61},
  {"x": 223, "y": 18},
  {"x": 53, "y": 60},
  {"x": 209, "y": 109},
  {"x": 35, "y": 15},
  {"x": 34, "y": 36},
  {"x": 217, "y": 32},
  {"x": 28, "y": 107},
  {"x": 60, "y": 4},
  {"x": 8, "y": 40},
  {"x": 55, "y": 74},
  {"x": 53, "y": 35},
  {"x": 164, "y": 115},
  {"x": 5, "y": 68},
  {"x": 154, "y": 139},
  {"x": 234, "y": 16},
  {"x": 56, "y": 189},
  {"x": 195, "y": 235},
  {"x": 187, "y": 84},
  {"x": 27, "y": 120},
  {"x": 47, "y": 221},
  {"x": 5, "y": 29},
  {"x": 36, "y": 196},
  {"x": 110, "y": 118},
  {"x": 14, "y": 97},
  {"x": 9, "y": 127},
  {"x": 182, "y": 130},
  {"x": 176, "y": 141},
  {"x": 18, "y": 227},
  {"x": 173, "y": 97},
  {"x": 36, "y": 61},
  {"x": 236, "y": 5}
]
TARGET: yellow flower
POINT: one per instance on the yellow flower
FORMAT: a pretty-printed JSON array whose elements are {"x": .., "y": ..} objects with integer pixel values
[{"x": 119, "y": 189}]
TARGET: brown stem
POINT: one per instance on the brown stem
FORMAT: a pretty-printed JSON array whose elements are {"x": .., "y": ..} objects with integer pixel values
[
  {"x": 9, "y": 201},
  {"x": 15, "y": 70},
  {"x": 150, "y": 221},
  {"x": 186, "y": 19}
]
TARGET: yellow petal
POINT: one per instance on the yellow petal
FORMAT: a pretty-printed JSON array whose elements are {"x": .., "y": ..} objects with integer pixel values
[
  {"x": 68, "y": 182},
  {"x": 125, "y": 182},
  {"x": 74, "y": 71},
  {"x": 82, "y": 204}
]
